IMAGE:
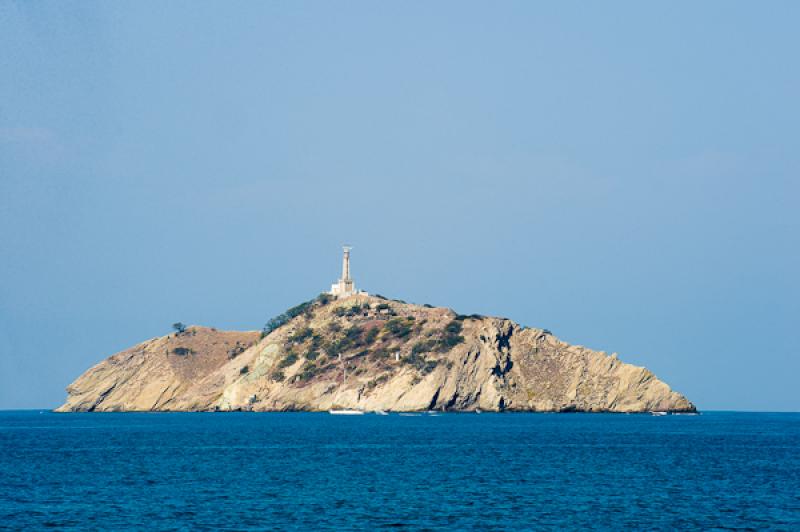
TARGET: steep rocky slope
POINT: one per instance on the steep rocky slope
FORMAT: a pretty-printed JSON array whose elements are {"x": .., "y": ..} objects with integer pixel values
[{"x": 369, "y": 353}]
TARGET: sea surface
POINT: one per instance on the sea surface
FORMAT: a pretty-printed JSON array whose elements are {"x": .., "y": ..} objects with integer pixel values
[{"x": 235, "y": 471}]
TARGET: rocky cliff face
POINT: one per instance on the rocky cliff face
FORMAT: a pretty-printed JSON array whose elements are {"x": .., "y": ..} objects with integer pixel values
[{"x": 369, "y": 353}]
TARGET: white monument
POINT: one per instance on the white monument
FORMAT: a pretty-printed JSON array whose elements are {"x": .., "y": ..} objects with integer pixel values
[{"x": 345, "y": 287}]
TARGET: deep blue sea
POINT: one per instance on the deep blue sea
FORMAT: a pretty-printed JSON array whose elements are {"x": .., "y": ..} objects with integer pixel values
[{"x": 235, "y": 471}]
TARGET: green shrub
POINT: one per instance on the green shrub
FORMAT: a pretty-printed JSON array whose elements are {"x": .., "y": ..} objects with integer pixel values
[
  {"x": 371, "y": 335},
  {"x": 282, "y": 319},
  {"x": 426, "y": 346},
  {"x": 316, "y": 341},
  {"x": 451, "y": 337},
  {"x": 398, "y": 327},
  {"x": 302, "y": 308},
  {"x": 308, "y": 371},
  {"x": 376, "y": 381},
  {"x": 244, "y": 370},
  {"x": 453, "y": 327},
  {"x": 353, "y": 332},
  {"x": 183, "y": 351},
  {"x": 449, "y": 342},
  {"x": 332, "y": 349},
  {"x": 380, "y": 354},
  {"x": 429, "y": 366},
  {"x": 272, "y": 324},
  {"x": 312, "y": 355},
  {"x": 300, "y": 335},
  {"x": 382, "y": 306},
  {"x": 288, "y": 360},
  {"x": 236, "y": 350},
  {"x": 277, "y": 375},
  {"x": 414, "y": 359},
  {"x": 353, "y": 335},
  {"x": 441, "y": 341},
  {"x": 420, "y": 363}
]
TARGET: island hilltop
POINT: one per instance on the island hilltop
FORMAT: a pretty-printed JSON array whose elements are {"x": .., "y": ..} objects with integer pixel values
[{"x": 349, "y": 349}]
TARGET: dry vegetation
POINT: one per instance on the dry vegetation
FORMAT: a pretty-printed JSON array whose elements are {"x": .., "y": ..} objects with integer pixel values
[{"x": 363, "y": 335}]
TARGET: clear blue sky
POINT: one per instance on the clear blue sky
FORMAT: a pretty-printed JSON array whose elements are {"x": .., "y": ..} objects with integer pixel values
[{"x": 625, "y": 174}]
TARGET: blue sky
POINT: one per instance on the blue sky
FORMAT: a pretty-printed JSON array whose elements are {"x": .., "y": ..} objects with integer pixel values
[{"x": 624, "y": 174}]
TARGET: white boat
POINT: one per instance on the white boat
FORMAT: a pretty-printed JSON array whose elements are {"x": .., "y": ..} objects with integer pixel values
[
  {"x": 477, "y": 410},
  {"x": 346, "y": 412},
  {"x": 381, "y": 412},
  {"x": 658, "y": 413}
]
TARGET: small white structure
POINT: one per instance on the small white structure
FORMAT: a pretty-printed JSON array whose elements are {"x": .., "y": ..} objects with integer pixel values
[{"x": 345, "y": 287}]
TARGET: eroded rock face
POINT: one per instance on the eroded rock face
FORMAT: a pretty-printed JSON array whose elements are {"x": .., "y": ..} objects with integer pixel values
[{"x": 371, "y": 354}]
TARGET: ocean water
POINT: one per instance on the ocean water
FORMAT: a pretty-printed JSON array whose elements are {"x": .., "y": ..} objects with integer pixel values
[{"x": 237, "y": 471}]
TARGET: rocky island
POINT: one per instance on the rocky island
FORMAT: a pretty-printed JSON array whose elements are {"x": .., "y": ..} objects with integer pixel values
[
  {"x": 346, "y": 349},
  {"x": 369, "y": 353}
]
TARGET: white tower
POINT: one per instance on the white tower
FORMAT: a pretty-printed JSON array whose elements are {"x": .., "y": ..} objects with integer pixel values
[
  {"x": 346, "y": 264},
  {"x": 345, "y": 286}
]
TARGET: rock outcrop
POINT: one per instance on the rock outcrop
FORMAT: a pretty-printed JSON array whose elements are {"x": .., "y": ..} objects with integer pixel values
[{"x": 369, "y": 353}]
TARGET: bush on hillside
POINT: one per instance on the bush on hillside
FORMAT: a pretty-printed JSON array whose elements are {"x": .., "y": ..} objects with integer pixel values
[
  {"x": 288, "y": 360},
  {"x": 371, "y": 335},
  {"x": 300, "y": 335},
  {"x": 308, "y": 371},
  {"x": 398, "y": 327},
  {"x": 282, "y": 319}
]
